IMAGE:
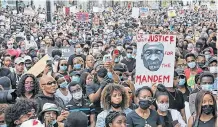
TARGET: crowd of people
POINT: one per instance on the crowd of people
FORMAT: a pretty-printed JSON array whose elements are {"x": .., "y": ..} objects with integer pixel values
[{"x": 94, "y": 87}]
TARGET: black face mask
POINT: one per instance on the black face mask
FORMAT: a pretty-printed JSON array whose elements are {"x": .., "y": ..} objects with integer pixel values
[
  {"x": 144, "y": 104},
  {"x": 201, "y": 65},
  {"x": 115, "y": 105},
  {"x": 207, "y": 109}
]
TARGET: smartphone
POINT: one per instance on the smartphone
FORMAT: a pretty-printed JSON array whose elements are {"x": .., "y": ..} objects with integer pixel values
[
  {"x": 175, "y": 122},
  {"x": 49, "y": 63},
  {"x": 107, "y": 58}
]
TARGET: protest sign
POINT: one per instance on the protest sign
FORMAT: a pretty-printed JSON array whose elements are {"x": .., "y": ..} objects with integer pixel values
[
  {"x": 172, "y": 13},
  {"x": 29, "y": 11},
  {"x": 135, "y": 12},
  {"x": 155, "y": 60},
  {"x": 66, "y": 51},
  {"x": 39, "y": 66},
  {"x": 144, "y": 11},
  {"x": 82, "y": 16},
  {"x": 96, "y": 9},
  {"x": 73, "y": 9}
]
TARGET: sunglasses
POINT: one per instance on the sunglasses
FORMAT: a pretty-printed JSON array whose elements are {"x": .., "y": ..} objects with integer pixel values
[
  {"x": 63, "y": 64},
  {"x": 50, "y": 83}
]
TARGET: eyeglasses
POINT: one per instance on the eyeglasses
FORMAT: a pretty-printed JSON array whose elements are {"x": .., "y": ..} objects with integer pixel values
[{"x": 50, "y": 83}]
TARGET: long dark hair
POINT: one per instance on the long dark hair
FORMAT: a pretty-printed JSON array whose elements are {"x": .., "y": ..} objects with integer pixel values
[
  {"x": 198, "y": 105},
  {"x": 21, "y": 86}
]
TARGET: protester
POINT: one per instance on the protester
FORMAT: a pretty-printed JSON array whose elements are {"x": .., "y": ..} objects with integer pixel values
[
  {"x": 3, "y": 107},
  {"x": 143, "y": 115},
  {"x": 115, "y": 119},
  {"x": 28, "y": 86},
  {"x": 76, "y": 119},
  {"x": 113, "y": 98},
  {"x": 206, "y": 110}
]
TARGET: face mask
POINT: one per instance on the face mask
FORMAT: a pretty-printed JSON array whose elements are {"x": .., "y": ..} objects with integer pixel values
[
  {"x": 4, "y": 125},
  {"x": 28, "y": 65},
  {"x": 207, "y": 109},
  {"x": 181, "y": 82},
  {"x": 29, "y": 88},
  {"x": 115, "y": 105},
  {"x": 95, "y": 51},
  {"x": 63, "y": 85},
  {"x": 213, "y": 70},
  {"x": 100, "y": 48},
  {"x": 128, "y": 55},
  {"x": 191, "y": 65},
  {"x": 78, "y": 51},
  {"x": 77, "y": 66},
  {"x": 116, "y": 60},
  {"x": 10, "y": 46},
  {"x": 77, "y": 95},
  {"x": 207, "y": 57},
  {"x": 63, "y": 68},
  {"x": 144, "y": 104},
  {"x": 207, "y": 87},
  {"x": 110, "y": 75},
  {"x": 40, "y": 38},
  {"x": 201, "y": 64},
  {"x": 53, "y": 122},
  {"x": 76, "y": 79},
  {"x": 163, "y": 107}
]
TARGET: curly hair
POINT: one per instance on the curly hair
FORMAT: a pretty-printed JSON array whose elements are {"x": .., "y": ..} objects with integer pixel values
[
  {"x": 21, "y": 87},
  {"x": 3, "y": 107},
  {"x": 107, "y": 93},
  {"x": 14, "y": 112}
]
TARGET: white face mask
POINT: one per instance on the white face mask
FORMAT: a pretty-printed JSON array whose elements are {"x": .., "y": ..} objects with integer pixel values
[
  {"x": 162, "y": 106},
  {"x": 78, "y": 95},
  {"x": 213, "y": 70}
]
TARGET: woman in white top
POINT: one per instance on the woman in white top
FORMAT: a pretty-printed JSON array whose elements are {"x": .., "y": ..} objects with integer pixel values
[
  {"x": 62, "y": 90},
  {"x": 170, "y": 117}
]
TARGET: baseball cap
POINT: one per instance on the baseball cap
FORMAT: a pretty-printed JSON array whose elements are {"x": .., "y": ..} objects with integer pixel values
[
  {"x": 27, "y": 58},
  {"x": 19, "y": 60},
  {"x": 32, "y": 123}
]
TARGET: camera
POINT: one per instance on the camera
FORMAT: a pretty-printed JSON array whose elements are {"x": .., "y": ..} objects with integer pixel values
[{"x": 8, "y": 96}]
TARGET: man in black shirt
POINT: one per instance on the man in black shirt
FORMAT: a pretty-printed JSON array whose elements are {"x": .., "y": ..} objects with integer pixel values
[
  {"x": 129, "y": 61},
  {"x": 79, "y": 103},
  {"x": 176, "y": 97}
]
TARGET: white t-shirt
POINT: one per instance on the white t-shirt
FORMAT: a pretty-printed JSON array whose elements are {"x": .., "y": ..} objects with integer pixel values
[{"x": 66, "y": 99}]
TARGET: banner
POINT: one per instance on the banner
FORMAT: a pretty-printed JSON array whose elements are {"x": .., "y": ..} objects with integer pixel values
[
  {"x": 135, "y": 12},
  {"x": 144, "y": 11},
  {"x": 82, "y": 16},
  {"x": 73, "y": 9},
  {"x": 155, "y": 60},
  {"x": 66, "y": 51}
]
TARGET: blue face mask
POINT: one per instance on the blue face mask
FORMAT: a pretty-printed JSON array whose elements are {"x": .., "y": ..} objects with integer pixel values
[
  {"x": 116, "y": 60},
  {"x": 181, "y": 82},
  {"x": 4, "y": 125},
  {"x": 208, "y": 87},
  {"x": 191, "y": 65},
  {"x": 53, "y": 122},
  {"x": 128, "y": 55},
  {"x": 63, "y": 68},
  {"x": 77, "y": 66},
  {"x": 76, "y": 79},
  {"x": 110, "y": 75},
  {"x": 63, "y": 85}
]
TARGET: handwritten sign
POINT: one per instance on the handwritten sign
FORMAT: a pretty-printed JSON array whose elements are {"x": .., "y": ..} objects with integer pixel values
[
  {"x": 155, "y": 60},
  {"x": 66, "y": 52},
  {"x": 135, "y": 12}
]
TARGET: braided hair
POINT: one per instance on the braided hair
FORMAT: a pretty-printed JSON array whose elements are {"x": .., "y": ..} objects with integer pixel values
[{"x": 111, "y": 116}]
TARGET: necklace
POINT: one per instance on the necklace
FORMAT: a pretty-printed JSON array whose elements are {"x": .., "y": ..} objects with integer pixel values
[{"x": 172, "y": 95}]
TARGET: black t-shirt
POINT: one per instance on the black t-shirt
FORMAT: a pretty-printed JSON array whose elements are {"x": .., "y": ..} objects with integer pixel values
[
  {"x": 86, "y": 107},
  {"x": 90, "y": 89},
  {"x": 186, "y": 95},
  {"x": 131, "y": 64},
  {"x": 167, "y": 120},
  {"x": 70, "y": 60},
  {"x": 134, "y": 120},
  {"x": 176, "y": 100},
  {"x": 210, "y": 123}
]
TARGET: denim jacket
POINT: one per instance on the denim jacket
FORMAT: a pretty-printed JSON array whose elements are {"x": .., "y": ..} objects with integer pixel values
[{"x": 101, "y": 117}]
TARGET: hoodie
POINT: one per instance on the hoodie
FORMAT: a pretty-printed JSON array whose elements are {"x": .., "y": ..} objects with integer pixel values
[{"x": 41, "y": 99}]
